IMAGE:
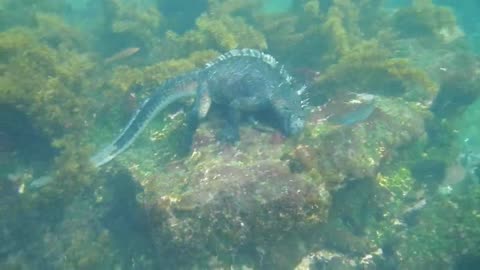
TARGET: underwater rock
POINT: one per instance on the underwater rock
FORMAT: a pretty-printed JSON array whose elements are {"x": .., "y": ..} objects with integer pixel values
[
  {"x": 425, "y": 19},
  {"x": 344, "y": 152},
  {"x": 457, "y": 91},
  {"x": 237, "y": 202},
  {"x": 228, "y": 200},
  {"x": 325, "y": 259}
]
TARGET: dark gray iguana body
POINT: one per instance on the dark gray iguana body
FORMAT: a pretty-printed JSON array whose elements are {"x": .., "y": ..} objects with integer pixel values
[{"x": 240, "y": 82}]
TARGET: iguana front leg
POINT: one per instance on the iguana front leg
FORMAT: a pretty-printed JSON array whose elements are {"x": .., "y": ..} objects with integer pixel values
[
  {"x": 230, "y": 132},
  {"x": 200, "y": 108}
]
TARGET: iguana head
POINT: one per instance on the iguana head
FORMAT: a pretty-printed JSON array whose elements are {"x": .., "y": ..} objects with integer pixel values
[{"x": 289, "y": 105}]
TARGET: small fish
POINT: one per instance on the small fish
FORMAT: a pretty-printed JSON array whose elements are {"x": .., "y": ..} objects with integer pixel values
[
  {"x": 122, "y": 54},
  {"x": 41, "y": 182},
  {"x": 350, "y": 109},
  {"x": 359, "y": 114}
]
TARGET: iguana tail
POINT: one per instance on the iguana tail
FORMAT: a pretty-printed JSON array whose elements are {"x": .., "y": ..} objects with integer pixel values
[{"x": 169, "y": 92}]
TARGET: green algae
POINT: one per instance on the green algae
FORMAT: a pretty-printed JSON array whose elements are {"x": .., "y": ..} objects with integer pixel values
[
  {"x": 435, "y": 239},
  {"x": 425, "y": 19}
]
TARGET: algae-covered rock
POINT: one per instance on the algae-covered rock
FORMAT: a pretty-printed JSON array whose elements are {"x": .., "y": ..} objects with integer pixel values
[
  {"x": 458, "y": 90},
  {"x": 45, "y": 77},
  {"x": 425, "y": 19},
  {"x": 326, "y": 259},
  {"x": 446, "y": 234},
  {"x": 357, "y": 151},
  {"x": 224, "y": 200},
  {"x": 221, "y": 33},
  {"x": 132, "y": 23},
  {"x": 369, "y": 65}
]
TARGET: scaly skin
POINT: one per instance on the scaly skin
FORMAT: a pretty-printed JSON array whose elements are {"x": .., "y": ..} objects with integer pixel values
[{"x": 240, "y": 83}]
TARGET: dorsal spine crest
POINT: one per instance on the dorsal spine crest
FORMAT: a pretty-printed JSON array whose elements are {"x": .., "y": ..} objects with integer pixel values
[{"x": 264, "y": 57}]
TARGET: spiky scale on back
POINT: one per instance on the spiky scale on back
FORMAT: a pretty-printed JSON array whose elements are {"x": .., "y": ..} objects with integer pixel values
[
  {"x": 246, "y": 53},
  {"x": 242, "y": 81}
]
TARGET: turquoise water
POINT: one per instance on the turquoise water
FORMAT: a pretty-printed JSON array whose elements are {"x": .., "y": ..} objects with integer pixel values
[{"x": 226, "y": 134}]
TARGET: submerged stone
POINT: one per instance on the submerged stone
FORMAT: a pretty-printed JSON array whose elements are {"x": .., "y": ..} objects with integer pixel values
[
  {"x": 234, "y": 199},
  {"x": 241, "y": 203}
]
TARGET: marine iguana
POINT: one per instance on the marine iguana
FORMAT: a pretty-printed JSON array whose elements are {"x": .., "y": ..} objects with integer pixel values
[{"x": 241, "y": 82}]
